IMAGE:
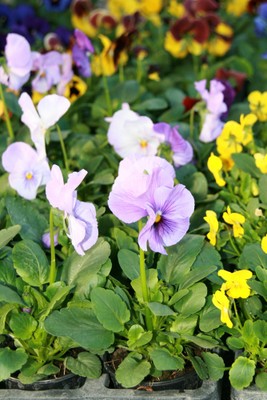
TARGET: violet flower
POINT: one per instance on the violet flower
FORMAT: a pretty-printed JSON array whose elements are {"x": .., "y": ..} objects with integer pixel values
[
  {"x": 215, "y": 108},
  {"x": 19, "y": 61},
  {"x": 46, "y": 239},
  {"x": 27, "y": 171},
  {"x": 181, "y": 148},
  {"x": 49, "y": 110},
  {"x": 56, "y": 6},
  {"x": 81, "y": 51},
  {"x": 145, "y": 188},
  {"x": 168, "y": 218},
  {"x": 63, "y": 195},
  {"x": 130, "y": 133},
  {"x": 48, "y": 70},
  {"x": 81, "y": 216}
]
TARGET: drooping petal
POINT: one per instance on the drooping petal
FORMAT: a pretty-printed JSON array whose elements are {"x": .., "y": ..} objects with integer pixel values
[{"x": 51, "y": 108}]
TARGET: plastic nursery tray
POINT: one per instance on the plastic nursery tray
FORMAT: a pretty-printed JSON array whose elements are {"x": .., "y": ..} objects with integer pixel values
[{"x": 98, "y": 390}]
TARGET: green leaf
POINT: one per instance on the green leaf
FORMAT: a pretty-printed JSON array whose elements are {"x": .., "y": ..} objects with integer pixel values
[
  {"x": 242, "y": 372},
  {"x": 215, "y": 364},
  {"x": 261, "y": 380},
  {"x": 21, "y": 212},
  {"x": 4, "y": 311},
  {"x": 262, "y": 189},
  {"x": 11, "y": 361},
  {"x": 200, "y": 367},
  {"x": 252, "y": 256},
  {"x": 246, "y": 163},
  {"x": 196, "y": 275},
  {"x": 193, "y": 301},
  {"x": 58, "y": 297},
  {"x": 82, "y": 326},
  {"x": 8, "y": 234},
  {"x": 165, "y": 361},
  {"x": 127, "y": 91},
  {"x": 183, "y": 325},
  {"x": 129, "y": 263},
  {"x": 8, "y": 295},
  {"x": 31, "y": 263},
  {"x": 209, "y": 317},
  {"x": 159, "y": 309},
  {"x": 180, "y": 258},
  {"x": 235, "y": 343},
  {"x": 86, "y": 364},
  {"x": 198, "y": 186},
  {"x": 23, "y": 325},
  {"x": 137, "y": 337},
  {"x": 125, "y": 240},
  {"x": 156, "y": 103},
  {"x": 82, "y": 271},
  {"x": 132, "y": 370},
  {"x": 109, "y": 309},
  {"x": 260, "y": 330}
]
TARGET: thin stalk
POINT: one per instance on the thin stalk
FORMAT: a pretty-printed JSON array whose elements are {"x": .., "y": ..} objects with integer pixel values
[
  {"x": 63, "y": 148},
  {"x": 107, "y": 94},
  {"x": 7, "y": 119},
  {"x": 52, "y": 275},
  {"x": 191, "y": 123},
  {"x": 121, "y": 73},
  {"x": 139, "y": 70},
  {"x": 144, "y": 286}
]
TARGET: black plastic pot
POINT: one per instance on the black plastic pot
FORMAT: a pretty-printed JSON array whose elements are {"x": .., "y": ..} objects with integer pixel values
[
  {"x": 188, "y": 380},
  {"x": 69, "y": 381}
]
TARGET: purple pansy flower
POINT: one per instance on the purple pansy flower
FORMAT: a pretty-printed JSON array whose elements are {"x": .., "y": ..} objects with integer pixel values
[
  {"x": 130, "y": 191},
  {"x": 145, "y": 188},
  {"x": 260, "y": 22},
  {"x": 168, "y": 218},
  {"x": 56, "y": 6},
  {"x": 27, "y": 171},
  {"x": 130, "y": 133},
  {"x": 181, "y": 148},
  {"x": 80, "y": 53},
  {"x": 46, "y": 239},
  {"x": 215, "y": 108},
  {"x": 81, "y": 216},
  {"x": 48, "y": 70}
]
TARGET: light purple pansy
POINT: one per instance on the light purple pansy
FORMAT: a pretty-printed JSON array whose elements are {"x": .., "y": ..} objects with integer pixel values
[
  {"x": 131, "y": 189},
  {"x": 49, "y": 110},
  {"x": 215, "y": 108},
  {"x": 48, "y": 70},
  {"x": 27, "y": 172},
  {"x": 145, "y": 188},
  {"x": 168, "y": 218},
  {"x": 181, "y": 148},
  {"x": 81, "y": 216},
  {"x": 130, "y": 133},
  {"x": 63, "y": 195},
  {"x": 19, "y": 61}
]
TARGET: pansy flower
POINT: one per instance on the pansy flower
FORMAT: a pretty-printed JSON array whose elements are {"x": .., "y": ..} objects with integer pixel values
[
  {"x": 215, "y": 165},
  {"x": 221, "y": 301},
  {"x": 129, "y": 133},
  {"x": 81, "y": 50},
  {"x": 261, "y": 162},
  {"x": 27, "y": 170},
  {"x": 236, "y": 283},
  {"x": 236, "y": 220},
  {"x": 80, "y": 216},
  {"x": 258, "y": 104},
  {"x": 49, "y": 110},
  {"x": 211, "y": 219}
]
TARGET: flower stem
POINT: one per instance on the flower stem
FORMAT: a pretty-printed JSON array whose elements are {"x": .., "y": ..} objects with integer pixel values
[
  {"x": 107, "y": 94},
  {"x": 7, "y": 119},
  {"x": 191, "y": 123},
  {"x": 144, "y": 286},
  {"x": 63, "y": 148},
  {"x": 52, "y": 276}
]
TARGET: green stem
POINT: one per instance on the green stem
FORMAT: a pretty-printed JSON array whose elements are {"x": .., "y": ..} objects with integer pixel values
[
  {"x": 7, "y": 119},
  {"x": 107, "y": 94},
  {"x": 139, "y": 71},
  {"x": 144, "y": 286},
  {"x": 191, "y": 123},
  {"x": 121, "y": 73},
  {"x": 63, "y": 148},
  {"x": 237, "y": 316},
  {"x": 52, "y": 276}
]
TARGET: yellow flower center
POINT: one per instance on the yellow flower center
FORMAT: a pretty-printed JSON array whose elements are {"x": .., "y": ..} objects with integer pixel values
[
  {"x": 158, "y": 217},
  {"x": 143, "y": 143},
  {"x": 29, "y": 175}
]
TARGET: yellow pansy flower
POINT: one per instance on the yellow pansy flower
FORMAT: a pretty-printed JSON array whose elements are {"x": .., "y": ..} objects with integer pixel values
[
  {"x": 148, "y": 7},
  {"x": 221, "y": 301},
  {"x": 119, "y": 8},
  {"x": 237, "y": 7},
  {"x": 236, "y": 283},
  {"x": 176, "y": 9},
  {"x": 215, "y": 166},
  {"x": 75, "y": 88},
  {"x": 177, "y": 48},
  {"x": 236, "y": 220},
  {"x": 103, "y": 63},
  {"x": 258, "y": 104},
  {"x": 221, "y": 42},
  {"x": 247, "y": 122},
  {"x": 264, "y": 244},
  {"x": 211, "y": 219},
  {"x": 230, "y": 139},
  {"x": 261, "y": 162}
]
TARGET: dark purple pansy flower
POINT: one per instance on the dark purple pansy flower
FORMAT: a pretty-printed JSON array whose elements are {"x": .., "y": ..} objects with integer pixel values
[
  {"x": 80, "y": 53},
  {"x": 228, "y": 97},
  {"x": 6, "y": 17},
  {"x": 260, "y": 22},
  {"x": 56, "y": 5}
]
